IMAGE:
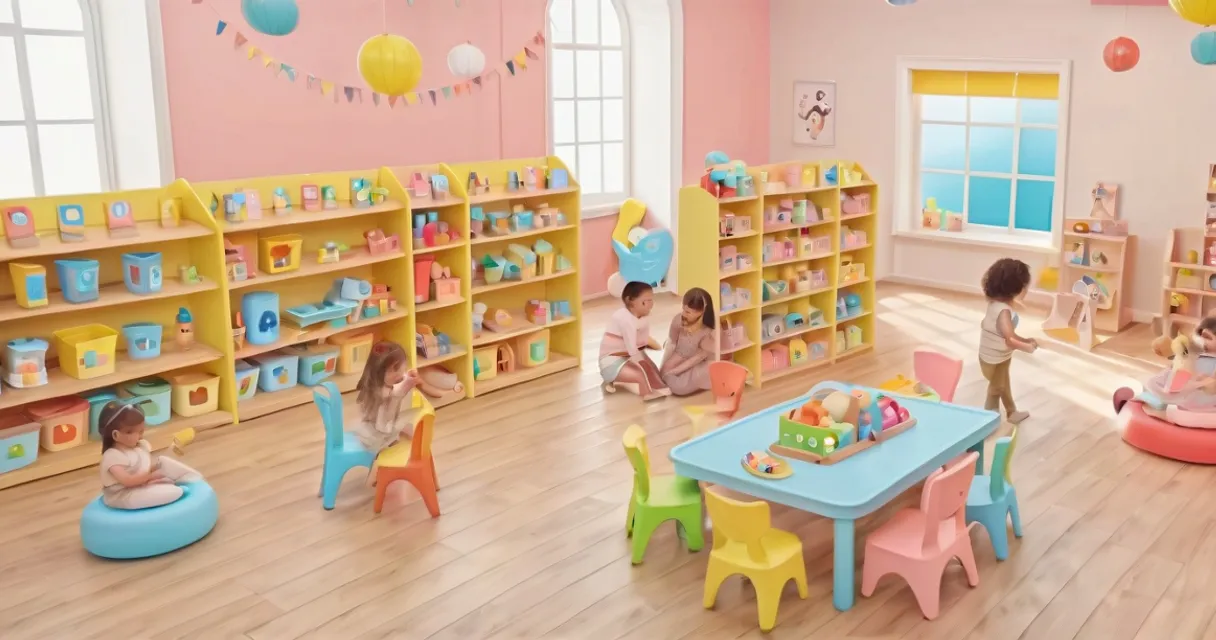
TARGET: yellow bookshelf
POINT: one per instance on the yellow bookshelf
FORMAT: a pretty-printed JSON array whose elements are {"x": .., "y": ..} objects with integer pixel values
[{"x": 805, "y": 246}]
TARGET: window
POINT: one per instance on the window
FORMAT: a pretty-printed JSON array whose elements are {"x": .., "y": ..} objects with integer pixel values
[
  {"x": 51, "y": 127},
  {"x": 988, "y": 144},
  {"x": 588, "y": 92}
]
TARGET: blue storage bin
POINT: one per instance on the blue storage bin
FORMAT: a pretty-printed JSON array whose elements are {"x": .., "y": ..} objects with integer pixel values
[
  {"x": 260, "y": 310},
  {"x": 142, "y": 273},
  {"x": 246, "y": 380},
  {"x": 78, "y": 279},
  {"x": 143, "y": 339},
  {"x": 317, "y": 362},
  {"x": 97, "y": 400},
  {"x": 153, "y": 396},
  {"x": 278, "y": 371},
  {"x": 18, "y": 440}
]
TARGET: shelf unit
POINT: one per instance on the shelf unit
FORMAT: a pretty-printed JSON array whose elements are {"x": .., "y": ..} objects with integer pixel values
[
  {"x": 699, "y": 264},
  {"x": 1193, "y": 283},
  {"x": 1115, "y": 274}
]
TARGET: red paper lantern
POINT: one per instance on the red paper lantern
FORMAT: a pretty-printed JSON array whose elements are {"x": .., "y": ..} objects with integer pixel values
[{"x": 1121, "y": 54}]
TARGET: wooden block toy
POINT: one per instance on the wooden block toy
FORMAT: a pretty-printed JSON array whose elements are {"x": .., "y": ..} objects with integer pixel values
[
  {"x": 563, "y": 264},
  {"x": 560, "y": 309},
  {"x": 360, "y": 193},
  {"x": 120, "y": 220},
  {"x": 71, "y": 222},
  {"x": 533, "y": 349},
  {"x": 546, "y": 257},
  {"x": 537, "y": 312},
  {"x": 446, "y": 288},
  {"x": 329, "y": 197},
  {"x": 310, "y": 197},
  {"x": 485, "y": 363},
  {"x": 378, "y": 243},
  {"x": 253, "y": 204},
  {"x": 29, "y": 284},
  {"x": 513, "y": 182},
  {"x": 19, "y": 228},
  {"x": 524, "y": 259}
]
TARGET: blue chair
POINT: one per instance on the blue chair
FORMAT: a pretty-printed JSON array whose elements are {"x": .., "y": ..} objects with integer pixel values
[
  {"x": 992, "y": 498},
  {"x": 343, "y": 451},
  {"x": 126, "y": 534}
]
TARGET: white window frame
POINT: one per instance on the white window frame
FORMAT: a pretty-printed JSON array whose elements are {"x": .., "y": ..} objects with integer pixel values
[
  {"x": 91, "y": 33},
  {"x": 600, "y": 204},
  {"x": 907, "y": 215}
]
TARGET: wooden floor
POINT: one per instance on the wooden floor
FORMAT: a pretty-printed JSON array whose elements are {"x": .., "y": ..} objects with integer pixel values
[{"x": 531, "y": 543}]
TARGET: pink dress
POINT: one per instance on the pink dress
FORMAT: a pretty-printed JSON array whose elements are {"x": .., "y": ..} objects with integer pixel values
[{"x": 689, "y": 345}]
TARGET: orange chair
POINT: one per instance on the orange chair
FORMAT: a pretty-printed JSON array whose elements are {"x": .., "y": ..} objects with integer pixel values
[
  {"x": 726, "y": 382},
  {"x": 937, "y": 370},
  {"x": 413, "y": 463}
]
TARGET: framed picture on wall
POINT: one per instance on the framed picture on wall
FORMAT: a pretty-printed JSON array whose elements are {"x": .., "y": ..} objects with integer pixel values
[{"x": 815, "y": 113}]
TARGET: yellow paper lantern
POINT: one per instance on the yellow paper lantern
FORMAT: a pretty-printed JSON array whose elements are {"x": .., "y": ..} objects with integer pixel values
[
  {"x": 390, "y": 64},
  {"x": 1201, "y": 12}
]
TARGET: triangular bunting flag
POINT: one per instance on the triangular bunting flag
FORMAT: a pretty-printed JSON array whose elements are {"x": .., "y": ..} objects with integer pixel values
[
  {"x": 311, "y": 79},
  {"x": 350, "y": 93},
  {"x": 540, "y": 38},
  {"x": 447, "y": 92},
  {"x": 531, "y": 54},
  {"x": 267, "y": 60},
  {"x": 326, "y": 87},
  {"x": 220, "y": 26},
  {"x": 511, "y": 66},
  {"x": 253, "y": 51},
  {"x": 392, "y": 101},
  {"x": 239, "y": 40},
  {"x": 457, "y": 88},
  {"x": 375, "y": 98},
  {"x": 434, "y": 98},
  {"x": 359, "y": 94},
  {"x": 196, "y": 1},
  {"x": 412, "y": 98},
  {"x": 521, "y": 60},
  {"x": 289, "y": 70},
  {"x": 477, "y": 81}
]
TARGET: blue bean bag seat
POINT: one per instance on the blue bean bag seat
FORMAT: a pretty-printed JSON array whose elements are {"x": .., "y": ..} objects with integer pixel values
[{"x": 124, "y": 534}]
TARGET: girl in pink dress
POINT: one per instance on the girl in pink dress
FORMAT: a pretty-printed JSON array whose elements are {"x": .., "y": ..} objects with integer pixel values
[
  {"x": 690, "y": 345},
  {"x": 622, "y": 360}
]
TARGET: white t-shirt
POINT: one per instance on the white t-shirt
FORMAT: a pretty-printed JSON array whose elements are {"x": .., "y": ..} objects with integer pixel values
[
  {"x": 993, "y": 349},
  {"x": 137, "y": 460}
]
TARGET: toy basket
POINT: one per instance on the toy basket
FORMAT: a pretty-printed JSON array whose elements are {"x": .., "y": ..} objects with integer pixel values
[
  {"x": 279, "y": 254},
  {"x": 142, "y": 272},
  {"x": 733, "y": 335},
  {"x": 246, "y": 380},
  {"x": 86, "y": 351},
  {"x": 839, "y": 441},
  {"x": 18, "y": 440},
  {"x": 194, "y": 394},
  {"x": 64, "y": 421},
  {"x": 153, "y": 397}
]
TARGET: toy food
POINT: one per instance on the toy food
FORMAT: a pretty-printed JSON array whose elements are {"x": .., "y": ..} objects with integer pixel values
[{"x": 762, "y": 464}]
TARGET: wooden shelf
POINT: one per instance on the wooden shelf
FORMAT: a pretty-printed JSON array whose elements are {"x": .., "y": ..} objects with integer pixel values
[
  {"x": 863, "y": 183},
  {"x": 860, "y": 247},
  {"x": 61, "y": 384},
  {"x": 848, "y": 353},
  {"x": 795, "y": 334},
  {"x": 360, "y": 259},
  {"x": 789, "y": 371},
  {"x": 263, "y": 403},
  {"x": 427, "y": 203},
  {"x": 1191, "y": 292},
  {"x": 790, "y": 191},
  {"x": 1097, "y": 237},
  {"x": 500, "y": 196},
  {"x": 795, "y": 296},
  {"x": 797, "y": 227},
  {"x": 722, "y": 275},
  {"x": 456, "y": 352},
  {"x": 738, "y": 310},
  {"x": 736, "y": 199},
  {"x": 521, "y": 234},
  {"x": 89, "y": 454},
  {"x": 739, "y": 236},
  {"x": 1081, "y": 267},
  {"x": 109, "y": 296},
  {"x": 853, "y": 216},
  {"x": 297, "y": 216},
  {"x": 739, "y": 347},
  {"x": 1178, "y": 317},
  {"x": 98, "y": 239},
  {"x": 438, "y": 304},
  {"x": 845, "y": 285},
  {"x": 290, "y": 335},
  {"x": 1193, "y": 267},
  {"x": 814, "y": 256},
  {"x": 856, "y": 316},
  {"x": 480, "y": 288},
  {"x": 419, "y": 251},
  {"x": 490, "y": 337},
  {"x": 557, "y": 362}
]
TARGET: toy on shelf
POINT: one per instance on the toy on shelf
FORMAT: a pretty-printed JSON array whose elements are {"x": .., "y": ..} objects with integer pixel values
[
  {"x": 853, "y": 337},
  {"x": 1077, "y": 254},
  {"x": 120, "y": 222},
  {"x": 170, "y": 212},
  {"x": 237, "y": 263},
  {"x": 1106, "y": 201},
  {"x": 730, "y": 224},
  {"x": 260, "y": 310},
  {"x": 1071, "y": 318},
  {"x": 443, "y": 286},
  {"x": 153, "y": 396},
  {"x": 513, "y": 181},
  {"x": 279, "y": 254},
  {"x": 25, "y": 362},
  {"x": 279, "y": 371},
  {"x": 281, "y": 201},
  {"x": 143, "y": 339},
  {"x": 537, "y": 312},
  {"x": 837, "y": 423},
  {"x": 19, "y": 228},
  {"x": 431, "y": 343},
  {"x": 238, "y": 331},
  {"x": 188, "y": 274},
  {"x": 491, "y": 361},
  {"x": 86, "y": 351},
  {"x": 851, "y": 271},
  {"x": 353, "y": 351},
  {"x": 556, "y": 178},
  {"x": 436, "y": 382},
  {"x": 253, "y": 204},
  {"x": 855, "y": 204},
  {"x": 310, "y": 197},
  {"x": 439, "y": 186},
  {"x": 419, "y": 187},
  {"x": 329, "y": 197},
  {"x": 63, "y": 422},
  {"x": 142, "y": 272},
  {"x": 98, "y": 399},
  {"x": 775, "y": 358},
  {"x": 763, "y": 465},
  {"x": 246, "y": 380},
  {"x": 734, "y": 335},
  {"x": 478, "y": 185},
  {"x": 18, "y": 440},
  {"x": 498, "y": 320},
  {"x": 851, "y": 238},
  {"x": 78, "y": 279},
  {"x": 329, "y": 253},
  {"x": 184, "y": 338},
  {"x": 360, "y": 193},
  {"x": 378, "y": 243},
  {"x": 533, "y": 349},
  {"x": 477, "y": 222},
  {"x": 317, "y": 362},
  {"x": 234, "y": 207},
  {"x": 29, "y": 284},
  {"x": 722, "y": 176},
  {"x": 521, "y": 263},
  {"x": 71, "y": 222}
]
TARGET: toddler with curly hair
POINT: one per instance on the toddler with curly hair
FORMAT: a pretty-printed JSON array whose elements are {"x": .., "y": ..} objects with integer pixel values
[{"x": 1005, "y": 282}]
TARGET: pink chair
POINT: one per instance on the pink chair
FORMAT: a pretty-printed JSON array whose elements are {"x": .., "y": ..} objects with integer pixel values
[
  {"x": 937, "y": 370},
  {"x": 726, "y": 382},
  {"x": 918, "y": 543}
]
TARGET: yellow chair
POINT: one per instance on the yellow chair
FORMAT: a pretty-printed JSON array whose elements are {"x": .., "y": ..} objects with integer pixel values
[
  {"x": 746, "y": 543},
  {"x": 657, "y": 499}
]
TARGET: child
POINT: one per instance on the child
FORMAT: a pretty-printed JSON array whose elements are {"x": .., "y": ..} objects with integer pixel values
[
  {"x": 386, "y": 382},
  {"x": 1005, "y": 282},
  {"x": 1196, "y": 391},
  {"x": 690, "y": 345},
  {"x": 628, "y": 332},
  {"x": 130, "y": 477}
]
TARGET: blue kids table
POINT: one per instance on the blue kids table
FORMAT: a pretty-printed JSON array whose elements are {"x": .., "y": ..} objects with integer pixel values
[{"x": 849, "y": 489}]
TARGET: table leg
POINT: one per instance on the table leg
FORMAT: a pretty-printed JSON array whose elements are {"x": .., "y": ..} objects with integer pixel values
[
  {"x": 979, "y": 464},
  {"x": 842, "y": 565}
]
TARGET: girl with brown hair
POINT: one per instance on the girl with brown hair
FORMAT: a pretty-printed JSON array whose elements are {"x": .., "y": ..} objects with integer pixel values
[
  {"x": 131, "y": 478},
  {"x": 690, "y": 345}
]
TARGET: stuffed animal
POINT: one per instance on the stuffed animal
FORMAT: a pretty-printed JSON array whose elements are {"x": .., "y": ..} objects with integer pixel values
[{"x": 437, "y": 381}]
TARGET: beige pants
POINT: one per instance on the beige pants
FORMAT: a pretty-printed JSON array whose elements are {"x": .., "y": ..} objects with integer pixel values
[
  {"x": 153, "y": 495},
  {"x": 999, "y": 391}
]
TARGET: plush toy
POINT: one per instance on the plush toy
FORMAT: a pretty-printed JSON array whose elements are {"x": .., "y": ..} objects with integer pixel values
[{"x": 437, "y": 381}]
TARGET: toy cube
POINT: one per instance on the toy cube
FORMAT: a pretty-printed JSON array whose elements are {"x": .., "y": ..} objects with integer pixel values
[
  {"x": 533, "y": 349},
  {"x": 153, "y": 396},
  {"x": 727, "y": 258},
  {"x": 18, "y": 440},
  {"x": 743, "y": 297},
  {"x": 246, "y": 380},
  {"x": 144, "y": 340},
  {"x": 78, "y": 279},
  {"x": 279, "y": 371},
  {"x": 279, "y": 254},
  {"x": 771, "y": 326},
  {"x": 25, "y": 362},
  {"x": 86, "y": 351},
  {"x": 142, "y": 272},
  {"x": 537, "y": 312},
  {"x": 63, "y": 421},
  {"x": 194, "y": 394},
  {"x": 317, "y": 363},
  {"x": 29, "y": 284}
]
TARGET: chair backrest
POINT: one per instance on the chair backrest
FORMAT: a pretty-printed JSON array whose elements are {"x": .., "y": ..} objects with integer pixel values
[
  {"x": 424, "y": 431},
  {"x": 945, "y": 496},
  {"x": 937, "y": 370},
  {"x": 330, "y": 406},
  {"x": 738, "y": 522},
  {"x": 726, "y": 382},
  {"x": 1002, "y": 457},
  {"x": 635, "y": 448}
]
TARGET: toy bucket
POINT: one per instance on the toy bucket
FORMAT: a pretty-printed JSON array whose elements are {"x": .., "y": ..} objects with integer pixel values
[
  {"x": 141, "y": 272},
  {"x": 143, "y": 339}
]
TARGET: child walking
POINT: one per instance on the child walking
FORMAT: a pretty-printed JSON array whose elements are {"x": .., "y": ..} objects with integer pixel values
[
  {"x": 690, "y": 345},
  {"x": 131, "y": 478},
  {"x": 1005, "y": 282},
  {"x": 386, "y": 382}
]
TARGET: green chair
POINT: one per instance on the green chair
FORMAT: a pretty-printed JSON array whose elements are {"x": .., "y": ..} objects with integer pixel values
[{"x": 658, "y": 499}]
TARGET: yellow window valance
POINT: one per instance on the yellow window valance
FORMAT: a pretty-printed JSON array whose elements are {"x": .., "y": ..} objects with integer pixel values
[{"x": 1044, "y": 86}]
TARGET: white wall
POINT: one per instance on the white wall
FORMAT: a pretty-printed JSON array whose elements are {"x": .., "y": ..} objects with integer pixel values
[{"x": 1151, "y": 130}]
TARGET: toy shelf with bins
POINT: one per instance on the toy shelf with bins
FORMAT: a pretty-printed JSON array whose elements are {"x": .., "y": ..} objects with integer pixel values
[
  {"x": 490, "y": 348},
  {"x": 188, "y": 239},
  {"x": 1106, "y": 259},
  {"x": 806, "y": 255},
  {"x": 1189, "y": 291}
]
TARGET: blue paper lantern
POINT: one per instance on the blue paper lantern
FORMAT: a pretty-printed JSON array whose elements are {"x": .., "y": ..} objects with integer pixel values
[
  {"x": 1203, "y": 48},
  {"x": 271, "y": 17},
  {"x": 900, "y": 3}
]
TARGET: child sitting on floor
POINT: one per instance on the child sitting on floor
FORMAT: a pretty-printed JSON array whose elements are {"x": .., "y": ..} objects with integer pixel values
[
  {"x": 690, "y": 345},
  {"x": 628, "y": 332},
  {"x": 131, "y": 477},
  {"x": 1190, "y": 384}
]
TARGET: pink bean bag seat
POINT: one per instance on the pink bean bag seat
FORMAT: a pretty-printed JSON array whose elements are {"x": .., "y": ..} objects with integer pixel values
[{"x": 1157, "y": 436}]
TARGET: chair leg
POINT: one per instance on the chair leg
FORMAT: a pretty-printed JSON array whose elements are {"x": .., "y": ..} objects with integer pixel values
[
  {"x": 870, "y": 573},
  {"x": 926, "y": 585},
  {"x": 324, "y": 473},
  {"x": 629, "y": 516},
  {"x": 768, "y": 599},
  {"x": 329, "y": 490},
  {"x": 644, "y": 524},
  {"x": 423, "y": 482},
  {"x": 715, "y": 575},
  {"x": 798, "y": 571},
  {"x": 434, "y": 474},
  {"x": 381, "y": 491},
  {"x": 1014, "y": 515},
  {"x": 966, "y": 555},
  {"x": 690, "y": 522},
  {"x": 994, "y": 522}
]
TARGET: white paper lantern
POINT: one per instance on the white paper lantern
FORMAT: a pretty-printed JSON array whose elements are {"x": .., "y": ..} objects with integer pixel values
[{"x": 466, "y": 61}]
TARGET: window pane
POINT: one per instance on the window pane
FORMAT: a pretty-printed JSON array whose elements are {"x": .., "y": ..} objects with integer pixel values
[
  {"x": 563, "y": 122},
  {"x": 52, "y": 14},
  {"x": 991, "y": 149},
  {"x": 563, "y": 73},
  {"x": 996, "y": 110},
  {"x": 6, "y": 11},
  {"x": 610, "y": 23},
  {"x": 59, "y": 75},
  {"x": 944, "y": 108},
  {"x": 941, "y": 146},
  {"x": 587, "y": 21},
  {"x": 1037, "y": 152},
  {"x": 16, "y": 172},
  {"x": 988, "y": 201},
  {"x": 69, "y": 158},
  {"x": 10, "y": 82},
  {"x": 591, "y": 163},
  {"x": 569, "y": 156},
  {"x": 587, "y": 69},
  {"x": 1035, "y": 199},
  {"x": 614, "y": 120},
  {"x": 614, "y": 167},
  {"x": 1040, "y": 112},
  {"x": 561, "y": 22},
  {"x": 947, "y": 188},
  {"x": 589, "y": 121},
  {"x": 614, "y": 74}
]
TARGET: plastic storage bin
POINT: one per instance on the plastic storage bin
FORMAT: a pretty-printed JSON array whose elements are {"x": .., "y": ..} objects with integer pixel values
[
  {"x": 97, "y": 401},
  {"x": 317, "y": 362},
  {"x": 86, "y": 351},
  {"x": 279, "y": 371},
  {"x": 246, "y": 380},
  {"x": 29, "y": 284},
  {"x": 278, "y": 254},
  {"x": 195, "y": 393},
  {"x": 25, "y": 362},
  {"x": 142, "y": 272},
  {"x": 353, "y": 350},
  {"x": 18, "y": 440},
  {"x": 63, "y": 421},
  {"x": 260, "y": 310},
  {"x": 78, "y": 279},
  {"x": 153, "y": 396},
  {"x": 143, "y": 339}
]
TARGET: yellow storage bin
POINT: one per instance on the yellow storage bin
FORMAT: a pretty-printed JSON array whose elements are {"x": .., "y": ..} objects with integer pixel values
[
  {"x": 353, "y": 350},
  {"x": 195, "y": 393},
  {"x": 86, "y": 351},
  {"x": 277, "y": 254}
]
